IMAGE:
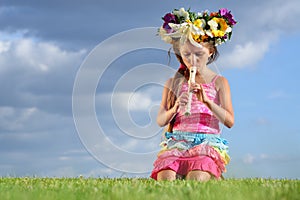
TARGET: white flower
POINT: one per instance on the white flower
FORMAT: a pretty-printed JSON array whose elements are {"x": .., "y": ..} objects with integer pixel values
[
  {"x": 218, "y": 41},
  {"x": 197, "y": 31},
  {"x": 182, "y": 13},
  {"x": 213, "y": 24},
  {"x": 228, "y": 30},
  {"x": 164, "y": 35},
  {"x": 179, "y": 29},
  {"x": 209, "y": 33},
  {"x": 200, "y": 14},
  {"x": 197, "y": 27}
]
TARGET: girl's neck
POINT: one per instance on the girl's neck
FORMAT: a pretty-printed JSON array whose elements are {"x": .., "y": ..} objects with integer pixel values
[
  {"x": 204, "y": 75},
  {"x": 203, "y": 71}
]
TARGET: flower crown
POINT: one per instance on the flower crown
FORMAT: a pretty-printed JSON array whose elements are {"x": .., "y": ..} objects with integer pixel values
[{"x": 214, "y": 27}]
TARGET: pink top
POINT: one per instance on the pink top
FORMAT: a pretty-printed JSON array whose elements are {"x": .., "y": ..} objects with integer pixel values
[{"x": 201, "y": 119}]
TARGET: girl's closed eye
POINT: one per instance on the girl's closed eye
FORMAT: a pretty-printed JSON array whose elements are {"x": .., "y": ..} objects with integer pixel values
[
  {"x": 186, "y": 54},
  {"x": 199, "y": 54}
]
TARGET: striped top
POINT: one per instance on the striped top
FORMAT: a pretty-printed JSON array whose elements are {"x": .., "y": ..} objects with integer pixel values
[{"x": 201, "y": 119}]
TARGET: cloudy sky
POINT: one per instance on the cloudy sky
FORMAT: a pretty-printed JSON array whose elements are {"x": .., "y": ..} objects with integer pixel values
[{"x": 81, "y": 82}]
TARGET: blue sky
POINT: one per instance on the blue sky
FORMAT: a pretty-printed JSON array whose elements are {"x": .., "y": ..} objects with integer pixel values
[{"x": 44, "y": 45}]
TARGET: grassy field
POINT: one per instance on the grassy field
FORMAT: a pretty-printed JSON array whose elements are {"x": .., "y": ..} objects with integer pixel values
[{"x": 130, "y": 188}]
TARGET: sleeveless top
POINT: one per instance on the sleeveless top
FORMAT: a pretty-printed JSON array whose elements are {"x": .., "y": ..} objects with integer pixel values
[{"x": 201, "y": 119}]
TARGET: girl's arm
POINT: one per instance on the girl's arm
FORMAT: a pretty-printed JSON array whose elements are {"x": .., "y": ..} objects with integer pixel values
[
  {"x": 164, "y": 116},
  {"x": 224, "y": 111}
]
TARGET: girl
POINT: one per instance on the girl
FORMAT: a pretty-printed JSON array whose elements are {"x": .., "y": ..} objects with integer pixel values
[{"x": 192, "y": 147}]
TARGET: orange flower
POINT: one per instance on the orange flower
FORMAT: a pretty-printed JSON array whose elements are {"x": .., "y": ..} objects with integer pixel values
[
  {"x": 197, "y": 38},
  {"x": 204, "y": 37},
  {"x": 214, "y": 14}
]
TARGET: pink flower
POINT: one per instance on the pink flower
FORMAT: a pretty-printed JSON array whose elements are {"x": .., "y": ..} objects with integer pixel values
[{"x": 226, "y": 13}]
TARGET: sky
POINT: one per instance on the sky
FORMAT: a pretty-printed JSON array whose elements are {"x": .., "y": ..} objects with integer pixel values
[{"x": 81, "y": 82}]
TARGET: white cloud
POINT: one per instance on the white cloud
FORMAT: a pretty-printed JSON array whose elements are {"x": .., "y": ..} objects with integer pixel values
[
  {"x": 260, "y": 27},
  {"x": 248, "y": 159},
  {"x": 37, "y": 74},
  {"x": 265, "y": 158},
  {"x": 102, "y": 172},
  {"x": 277, "y": 94},
  {"x": 265, "y": 166},
  {"x": 126, "y": 101},
  {"x": 130, "y": 145},
  {"x": 26, "y": 121},
  {"x": 279, "y": 15},
  {"x": 30, "y": 54},
  {"x": 245, "y": 55},
  {"x": 262, "y": 121},
  {"x": 15, "y": 119},
  {"x": 139, "y": 101},
  {"x": 75, "y": 152},
  {"x": 4, "y": 46},
  {"x": 65, "y": 171}
]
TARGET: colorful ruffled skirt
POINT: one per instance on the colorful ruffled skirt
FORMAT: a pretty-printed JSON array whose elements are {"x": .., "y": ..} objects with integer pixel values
[{"x": 183, "y": 152}]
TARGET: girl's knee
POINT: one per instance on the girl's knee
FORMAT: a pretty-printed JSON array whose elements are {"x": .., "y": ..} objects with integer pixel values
[
  {"x": 169, "y": 175},
  {"x": 198, "y": 175}
]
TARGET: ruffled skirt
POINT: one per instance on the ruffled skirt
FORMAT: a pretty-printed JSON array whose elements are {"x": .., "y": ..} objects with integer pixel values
[{"x": 183, "y": 152}]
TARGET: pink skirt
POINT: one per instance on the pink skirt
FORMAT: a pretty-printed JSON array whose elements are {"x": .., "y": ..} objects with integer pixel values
[
  {"x": 184, "y": 165},
  {"x": 206, "y": 156}
]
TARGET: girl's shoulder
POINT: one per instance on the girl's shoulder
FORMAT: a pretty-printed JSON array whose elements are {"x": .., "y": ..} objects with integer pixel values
[
  {"x": 221, "y": 82},
  {"x": 176, "y": 81},
  {"x": 169, "y": 82}
]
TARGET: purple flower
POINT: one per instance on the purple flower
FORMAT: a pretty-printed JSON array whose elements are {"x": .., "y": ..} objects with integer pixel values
[
  {"x": 169, "y": 18},
  {"x": 224, "y": 12}
]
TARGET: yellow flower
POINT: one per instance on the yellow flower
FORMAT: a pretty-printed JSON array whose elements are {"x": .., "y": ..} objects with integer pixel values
[
  {"x": 218, "y": 33},
  {"x": 219, "y": 27},
  {"x": 197, "y": 27},
  {"x": 198, "y": 23},
  {"x": 196, "y": 38},
  {"x": 200, "y": 38},
  {"x": 222, "y": 23}
]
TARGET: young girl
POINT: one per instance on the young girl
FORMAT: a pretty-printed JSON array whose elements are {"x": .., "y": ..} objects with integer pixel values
[{"x": 192, "y": 147}]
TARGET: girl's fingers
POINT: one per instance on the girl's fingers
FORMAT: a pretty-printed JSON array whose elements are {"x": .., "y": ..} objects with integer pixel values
[
  {"x": 183, "y": 99},
  {"x": 195, "y": 88},
  {"x": 184, "y": 95}
]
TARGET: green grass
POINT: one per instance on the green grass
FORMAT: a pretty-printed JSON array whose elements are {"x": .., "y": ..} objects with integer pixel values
[{"x": 130, "y": 188}]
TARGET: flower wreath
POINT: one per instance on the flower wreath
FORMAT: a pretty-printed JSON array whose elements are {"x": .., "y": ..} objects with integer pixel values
[{"x": 214, "y": 27}]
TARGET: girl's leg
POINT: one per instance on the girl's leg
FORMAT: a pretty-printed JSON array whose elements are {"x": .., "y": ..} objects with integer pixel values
[
  {"x": 198, "y": 175},
  {"x": 168, "y": 175}
]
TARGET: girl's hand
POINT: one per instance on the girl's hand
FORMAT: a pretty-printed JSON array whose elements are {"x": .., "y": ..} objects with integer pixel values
[
  {"x": 181, "y": 101},
  {"x": 204, "y": 96},
  {"x": 200, "y": 92}
]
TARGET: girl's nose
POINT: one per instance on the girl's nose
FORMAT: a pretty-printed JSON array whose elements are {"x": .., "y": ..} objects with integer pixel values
[{"x": 193, "y": 60}]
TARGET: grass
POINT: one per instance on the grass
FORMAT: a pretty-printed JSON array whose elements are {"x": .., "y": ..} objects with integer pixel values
[{"x": 131, "y": 188}]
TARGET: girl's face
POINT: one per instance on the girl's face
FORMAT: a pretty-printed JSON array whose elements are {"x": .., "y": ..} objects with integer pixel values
[{"x": 194, "y": 56}]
